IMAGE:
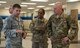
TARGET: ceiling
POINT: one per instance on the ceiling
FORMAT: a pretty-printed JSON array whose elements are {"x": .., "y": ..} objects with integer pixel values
[
  {"x": 46, "y": 4},
  {"x": 11, "y": 2}
]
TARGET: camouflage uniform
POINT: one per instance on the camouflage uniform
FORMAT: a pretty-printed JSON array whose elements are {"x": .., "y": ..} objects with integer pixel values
[
  {"x": 13, "y": 39},
  {"x": 58, "y": 27},
  {"x": 1, "y": 25},
  {"x": 39, "y": 37}
]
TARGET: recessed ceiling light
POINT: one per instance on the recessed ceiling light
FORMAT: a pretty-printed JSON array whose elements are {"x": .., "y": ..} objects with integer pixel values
[
  {"x": 30, "y": 8},
  {"x": 23, "y": 12},
  {"x": 28, "y": 3},
  {"x": 6, "y": 8},
  {"x": 40, "y": 0},
  {"x": 23, "y": 5},
  {"x": 48, "y": 8},
  {"x": 52, "y": 4},
  {"x": 72, "y": 0},
  {"x": 40, "y": 6},
  {"x": 36, "y": 9},
  {"x": 3, "y": 2}
]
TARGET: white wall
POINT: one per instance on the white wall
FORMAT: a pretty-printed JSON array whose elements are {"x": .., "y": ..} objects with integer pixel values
[
  {"x": 79, "y": 30},
  {"x": 4, "y": 12},
  {"x": 48, "y": 13},
  {"x": 75, "y": 5}
]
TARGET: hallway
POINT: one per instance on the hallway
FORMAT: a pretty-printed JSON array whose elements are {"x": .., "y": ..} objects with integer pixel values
[{"x": 28, "y": 44}]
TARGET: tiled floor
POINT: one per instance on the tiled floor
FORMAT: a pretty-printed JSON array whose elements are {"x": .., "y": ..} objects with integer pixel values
[{"x": 28, "y": 44}]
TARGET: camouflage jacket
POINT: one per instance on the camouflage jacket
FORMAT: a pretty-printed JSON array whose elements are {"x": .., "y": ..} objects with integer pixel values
[
  {"x": 59, "y": 27},
  {"x": 37, "y": 27},
  {"x": 10, "y": 26}
]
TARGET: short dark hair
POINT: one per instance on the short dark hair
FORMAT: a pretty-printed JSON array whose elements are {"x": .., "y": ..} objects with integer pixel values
[
  {"x": 16, "y": 6},
  {"x": 42, "y": 10}
]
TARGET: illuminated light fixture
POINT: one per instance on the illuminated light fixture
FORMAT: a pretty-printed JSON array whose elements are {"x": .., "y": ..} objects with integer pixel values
[
  {"x": 23, "y": 12},
  {"x": 36, "y": 9},
  {"x": 28, "y": 3},
  {"x": 30, "y": 8},
  {"x": 72, "y": 0},
  {"x": 40, "y": 0},
  {"x": 40, "y": 6},
  {"x": 6, "y": 7},
  {"x": 48, "y": 8},
  {"x": 3, "y": 2},
  {"x": 64, "y": 6},
  {"x": 52, "y": 4},
  {"x": 23, "y": 5}
]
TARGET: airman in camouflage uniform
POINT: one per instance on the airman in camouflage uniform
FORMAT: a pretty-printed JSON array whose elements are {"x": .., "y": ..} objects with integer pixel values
[
  {"x": 37, "y": 26},
  {"x": 14, "y": 28},
  {"x": 8, "y": 38},
  {"x": 59, "y": 26}
]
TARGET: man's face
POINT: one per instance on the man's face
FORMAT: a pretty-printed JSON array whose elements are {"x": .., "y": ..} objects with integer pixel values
[
  {"x": 40, "y": 13},
  {"x": 57, "y": 9},
  {"x": 16, "y": 11}
]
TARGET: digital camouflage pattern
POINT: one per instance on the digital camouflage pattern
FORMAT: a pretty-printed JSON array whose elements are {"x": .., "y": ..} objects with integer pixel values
[
  {"x": 59, "y": 27},
  {"x": 13, "y": 39}
]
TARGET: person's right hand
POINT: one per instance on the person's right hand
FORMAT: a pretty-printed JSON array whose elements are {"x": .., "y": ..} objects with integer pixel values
[
  {"x": 24, "y": 34},
  {"x": 65, "y": 40},
  {"x": 20, "y": 31}
]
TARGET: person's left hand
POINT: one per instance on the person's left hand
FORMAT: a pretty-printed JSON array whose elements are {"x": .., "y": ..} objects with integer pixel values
[
  {"x": 65, "y": 40},
  {"x": 19, "y": 31}
]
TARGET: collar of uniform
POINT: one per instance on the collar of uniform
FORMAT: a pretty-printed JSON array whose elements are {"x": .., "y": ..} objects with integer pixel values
[
  {"x": 14, "y": 17},
  {"x": 41, "y": 19},
  {"x": 59, "y": 16}
]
